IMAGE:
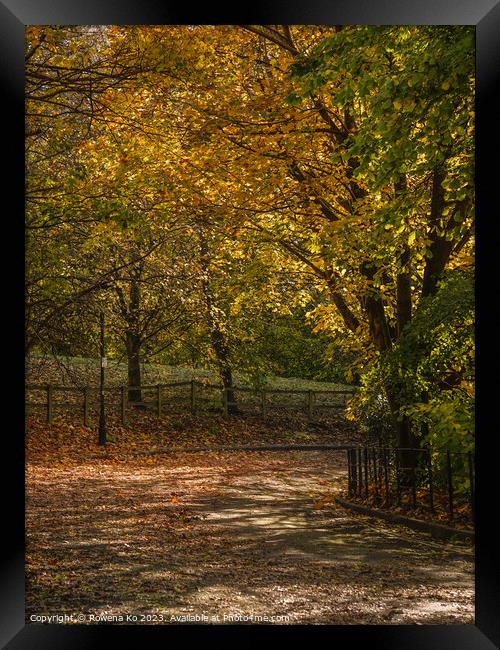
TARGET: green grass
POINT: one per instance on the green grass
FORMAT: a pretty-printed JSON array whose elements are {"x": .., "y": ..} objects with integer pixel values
[{"x": 85, "y": 371}]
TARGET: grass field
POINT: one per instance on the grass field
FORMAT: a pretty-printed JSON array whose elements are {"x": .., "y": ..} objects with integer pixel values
[{"x": 80, "y": 371}]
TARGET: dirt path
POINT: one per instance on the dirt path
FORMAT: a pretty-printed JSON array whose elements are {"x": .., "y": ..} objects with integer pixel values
[{"x": 229, "y": 535}]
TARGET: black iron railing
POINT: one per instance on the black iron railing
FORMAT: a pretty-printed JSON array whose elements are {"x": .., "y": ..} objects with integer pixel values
[{"x": 436, "y": 480}]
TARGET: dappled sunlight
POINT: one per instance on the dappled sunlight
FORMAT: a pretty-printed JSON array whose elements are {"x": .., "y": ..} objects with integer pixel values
[{"x": 242, "y": 535}]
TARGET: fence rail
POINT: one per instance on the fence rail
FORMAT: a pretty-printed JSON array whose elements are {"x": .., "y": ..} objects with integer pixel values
[
  {"x": 185, "y": 396},
  {"x": 425, "y": 478}
]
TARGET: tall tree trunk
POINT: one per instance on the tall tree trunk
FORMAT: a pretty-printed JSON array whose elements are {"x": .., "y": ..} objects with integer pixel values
[
  {"x": 403, "y": 279},
  {"x": 403, "y": 300},
  {"x": 406, "y": 437},
  {"x": 218, "y": 337},
  {"x": 222, "y": 353},
  {"x": 133, "y": 344},
  {"x": 381, "y": 338},
  {"x": 380, "y": 335},
  {"x": 440, "y": 248}
]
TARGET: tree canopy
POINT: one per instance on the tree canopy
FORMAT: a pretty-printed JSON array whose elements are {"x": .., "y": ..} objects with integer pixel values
[{"x": 289, "y": 199}]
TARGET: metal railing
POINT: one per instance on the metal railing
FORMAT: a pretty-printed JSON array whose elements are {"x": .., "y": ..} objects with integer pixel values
[{"x": 436, "y": 480}]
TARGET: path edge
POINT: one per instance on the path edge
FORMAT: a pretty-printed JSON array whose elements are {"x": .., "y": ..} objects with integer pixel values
[{"x": 436, "y": 530}]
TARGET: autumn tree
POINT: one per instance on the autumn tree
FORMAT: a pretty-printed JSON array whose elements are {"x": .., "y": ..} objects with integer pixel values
[
  {"x": 347, "y": 149},
  {"x": 354, "y": 153}
]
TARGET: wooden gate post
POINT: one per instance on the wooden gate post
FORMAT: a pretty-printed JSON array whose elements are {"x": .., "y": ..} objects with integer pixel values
[
  {"x": 263, "y": 403},
  {"x": 158, "y": 399},
  {"x": 192, "y": 396},
  {"x": 310, "y": 396}
]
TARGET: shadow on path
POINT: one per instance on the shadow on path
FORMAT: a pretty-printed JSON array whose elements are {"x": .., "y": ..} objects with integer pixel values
[{"x": 231, "y": 536}]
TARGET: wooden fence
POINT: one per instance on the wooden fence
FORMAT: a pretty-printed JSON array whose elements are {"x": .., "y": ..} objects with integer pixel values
[{"x": 184, "y": 396}]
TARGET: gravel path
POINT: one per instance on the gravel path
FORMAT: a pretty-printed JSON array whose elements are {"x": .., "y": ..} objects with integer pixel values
[{"x": 229, "y": 538}]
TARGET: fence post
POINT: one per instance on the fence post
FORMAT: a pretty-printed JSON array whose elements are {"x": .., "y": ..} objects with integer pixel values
[
  {"x": 398, "y": 478},
  {"x": 365, "y": 457},
  {"x": 471, "y": 484},
  {"x": 192, "y": 396},
  {"x": 49, "y": 404},
  {"x": 224, "y": 402},
  {"x": 158, "y": 400},
  {"x": 450, "y": 482},
  {"x": 349, "y": 473},
  {"x": 431, "y": 486},
  {"x": 360, "y": 472},
  {"x": 413, "y": 488},
  {"x": 124, "y": 404},
  {"x": 310, "y": 397},
  {"x": 386, "y": 476},
  {"x": 263, "y": 403},
  {"x": 350, "y": 480},
  {"x": 86, "y": 406}
]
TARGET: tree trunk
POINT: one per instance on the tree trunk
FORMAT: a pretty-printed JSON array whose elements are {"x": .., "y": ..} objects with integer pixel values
[
  {"x": 349, "y": 318},
  {"x": 227, "y": 380},
  {"x": 380, "y": 336},
  {"x": 405, "y": 437},
  {"x": 440, "y": 248},
  {"x": 133, "y": 344},
  {"x": 375, "y": 312},
  {"x": 221, "y": 351},
  {"x": 217, "y": 334},
  {"x": 403, "y": 293}
]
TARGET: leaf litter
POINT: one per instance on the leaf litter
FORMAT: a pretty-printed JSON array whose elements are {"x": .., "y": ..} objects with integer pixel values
[{"x": 112, "y": 532}]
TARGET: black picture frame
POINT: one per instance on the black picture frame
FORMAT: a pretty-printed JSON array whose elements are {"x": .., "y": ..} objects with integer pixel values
[{"x": 485, "y": 15}]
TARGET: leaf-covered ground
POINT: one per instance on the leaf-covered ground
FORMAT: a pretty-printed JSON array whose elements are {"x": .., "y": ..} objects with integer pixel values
[
  {"x": 68, "y": 441},
  {"x": 178, "y": 537}
]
